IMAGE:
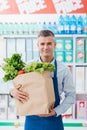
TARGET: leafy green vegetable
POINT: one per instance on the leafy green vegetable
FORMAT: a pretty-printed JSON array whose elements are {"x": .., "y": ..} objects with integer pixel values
[
  {"x": 12, "y": 66},
  {"x": 39, "y": 67}
]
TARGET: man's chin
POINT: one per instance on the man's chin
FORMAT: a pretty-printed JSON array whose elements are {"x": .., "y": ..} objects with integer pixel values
[{"x": 46, "y": 56}]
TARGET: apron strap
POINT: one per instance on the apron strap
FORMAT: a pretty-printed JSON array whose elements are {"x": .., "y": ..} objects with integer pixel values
[{"x": 55, "y": 82}]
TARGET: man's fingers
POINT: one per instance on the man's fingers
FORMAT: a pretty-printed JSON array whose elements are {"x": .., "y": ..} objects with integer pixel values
[
  {"x": 18, "y": 86},
  {"x": 24, "y": 97},
  {"x": 22, "y": 100},
  {"x": 19, "y": 94}
]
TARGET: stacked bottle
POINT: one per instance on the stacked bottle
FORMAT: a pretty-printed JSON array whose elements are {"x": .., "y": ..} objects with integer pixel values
[
  {"x": 64, "y": 24},
  {"x": 67, "y": 24}
]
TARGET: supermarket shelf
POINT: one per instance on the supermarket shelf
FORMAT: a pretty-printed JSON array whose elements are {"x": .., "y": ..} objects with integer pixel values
[{"x": 67, "y": 123}]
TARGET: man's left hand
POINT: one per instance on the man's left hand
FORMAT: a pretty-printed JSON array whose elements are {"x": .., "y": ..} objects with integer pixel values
[{"x": 52, "y": 113}]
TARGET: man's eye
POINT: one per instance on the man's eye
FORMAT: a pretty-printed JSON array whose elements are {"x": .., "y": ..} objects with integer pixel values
[
  {"x": 42, "y": 44},
  {"x": 49, "y": 43}
]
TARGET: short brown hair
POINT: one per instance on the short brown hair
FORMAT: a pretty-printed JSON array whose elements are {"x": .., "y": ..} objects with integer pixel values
[{"x": 45, "y": 33}]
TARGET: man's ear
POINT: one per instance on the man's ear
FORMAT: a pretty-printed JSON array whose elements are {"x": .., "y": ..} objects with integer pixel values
[{"x": 54, "y": 44}]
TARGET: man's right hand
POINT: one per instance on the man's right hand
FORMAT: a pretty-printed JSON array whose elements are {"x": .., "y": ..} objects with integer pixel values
[{"x": 17, "y": 93}]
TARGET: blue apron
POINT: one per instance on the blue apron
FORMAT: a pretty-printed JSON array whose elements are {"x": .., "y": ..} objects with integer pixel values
[{"x": 46, "y": 123}]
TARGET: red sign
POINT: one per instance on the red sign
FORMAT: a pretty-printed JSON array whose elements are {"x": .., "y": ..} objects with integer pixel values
[{"x": 43, "y": 6}]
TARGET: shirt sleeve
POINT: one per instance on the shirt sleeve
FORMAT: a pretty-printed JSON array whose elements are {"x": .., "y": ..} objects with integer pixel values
[{"x": 69, "y": 92}]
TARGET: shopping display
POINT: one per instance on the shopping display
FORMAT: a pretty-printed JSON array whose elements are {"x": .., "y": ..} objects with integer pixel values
[
  {"x": 71, "y": 48},
  {"x": 64, "y": 24},
  {"x": 20, "y": 23}
]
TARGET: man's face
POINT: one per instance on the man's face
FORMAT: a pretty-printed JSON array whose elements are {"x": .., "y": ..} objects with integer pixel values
[{"x": 46, "y": 46}]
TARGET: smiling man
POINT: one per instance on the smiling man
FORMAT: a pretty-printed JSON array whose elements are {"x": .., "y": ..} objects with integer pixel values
[
  {"x": 46, "y": 45},
  {"x": 63, "y": 83}
]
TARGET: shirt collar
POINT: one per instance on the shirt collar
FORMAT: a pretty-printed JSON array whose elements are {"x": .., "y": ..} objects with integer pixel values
[{"x": 52, "y": 62}]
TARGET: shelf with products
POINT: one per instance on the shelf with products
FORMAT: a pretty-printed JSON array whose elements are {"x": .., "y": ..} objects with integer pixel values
[
  {"x": 59, "y": 24},
  {"x": 68, "y": 124}
]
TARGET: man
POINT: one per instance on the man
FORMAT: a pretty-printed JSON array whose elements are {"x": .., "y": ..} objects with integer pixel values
[{"x": 63, "y": 83}]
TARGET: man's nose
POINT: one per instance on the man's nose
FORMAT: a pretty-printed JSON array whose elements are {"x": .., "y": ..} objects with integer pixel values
[{"x": 45, "y": 46}]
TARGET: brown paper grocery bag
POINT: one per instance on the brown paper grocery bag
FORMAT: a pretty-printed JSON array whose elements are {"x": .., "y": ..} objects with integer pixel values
[{"x": 41, "y": 93}]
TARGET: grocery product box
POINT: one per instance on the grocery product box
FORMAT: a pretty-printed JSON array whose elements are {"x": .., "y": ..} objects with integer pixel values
[
  {"x": 3, "y": 100},
  {"x": 11, "y": 45},
  {"x": 2, "y": 49},
  {"x": 80, "y": 79},
  {"x": 12, "y": 113},
  {"x": 81, "y": 109},
  {"x": 80, "y": 56},
  {"x": 20, "y": 45},
  {"x": 29, "y": 45},
  {"x": 59, "y": 55},
  {"x": 11, "y": 108},
  {"x": 59, "y": 44},
  {"x": 3, "y": 112},
  {"x": 85, "y": 79},
  {"x": 80, "y": 44},
  {"x": 68, "y": 44},
  {"x": 29, "y": 55},
  {"x": 68, "y": 56}
]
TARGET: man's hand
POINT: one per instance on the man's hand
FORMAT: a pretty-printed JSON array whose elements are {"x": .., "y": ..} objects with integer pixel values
[
  {"x": 52, "y": 113},
  {"x": 19, "y": 94}
]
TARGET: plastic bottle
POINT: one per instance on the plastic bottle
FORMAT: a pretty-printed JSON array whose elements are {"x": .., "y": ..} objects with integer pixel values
[
  {"x": 67, "y": 25},
  {"x": 60, "y": 25},
  {"x": 30, "y": 28},
  {"x": 85, "y": 25},
  {"x": 44, "y": 25},
  {"x": 80, "y": 25},
  {"x": 49, "y": 26},
  {"x": 53, "y": 27},
  {"x": 38, "y": 27},
  {"x": 73, "y": 25}
]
